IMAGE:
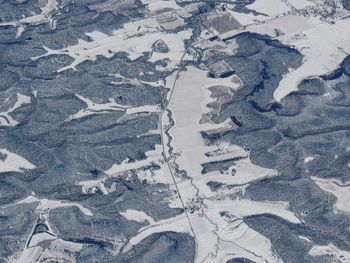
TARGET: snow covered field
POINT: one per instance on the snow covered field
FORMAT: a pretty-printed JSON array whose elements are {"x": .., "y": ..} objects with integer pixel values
[{"x": 174, "y": 131}]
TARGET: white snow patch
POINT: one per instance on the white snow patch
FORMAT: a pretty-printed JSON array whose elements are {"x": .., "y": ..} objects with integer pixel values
[
  {"x": 272, "y": 8},
  {"x": 222, "y": 237},
  {"x": 46, "y": 204},
  {"x": 339, "y": 190},
  {"x": 321, "y": 54},
  {"x": 235, "y": 236},
  {"x": 96, "y": 108},
  {"x": 5, "y": 117},
  {"x": 14, "y": 162},
  {"x": 177, "y": 224},
  {"x": 304, "y": 238},
  {"x": 36, "y": 19},
  {"x": 301, "y": 4},
  {"x": 57, "y": 250},
  {"x": 137, "y": 216},
  {"x": 40, "y": 237},
  {"x": 168, "y": 14},
  {"x": 308, "y": 159},
  {"x": 162, "y": 175},
  {"x": 101, "y": 108},
  {"x": 189, "y": 102},
  {"x": 145, "y": 108},
  {"x": 338, "y": 254},
  {"x": 242, "y": 207},
  {"x": 134, "y": 38}
]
